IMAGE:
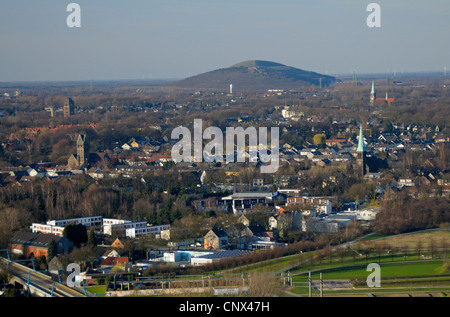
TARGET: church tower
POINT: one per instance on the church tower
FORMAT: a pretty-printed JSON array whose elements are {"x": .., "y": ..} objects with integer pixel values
[
  {"x": 82, "y": 149},
  {"x": 361, "y": 154},
  {"x": 69, "y": 108},
  {"x": 373, "y": 94}
]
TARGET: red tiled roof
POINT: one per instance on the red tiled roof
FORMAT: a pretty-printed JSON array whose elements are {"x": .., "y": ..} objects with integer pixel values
[{"x": 115, "y": 260}]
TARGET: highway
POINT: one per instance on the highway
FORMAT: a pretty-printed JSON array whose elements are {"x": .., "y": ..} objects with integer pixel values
[{"x": 40, "y": 284}]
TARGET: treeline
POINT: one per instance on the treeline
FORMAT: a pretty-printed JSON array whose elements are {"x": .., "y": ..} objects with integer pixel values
[{"x": 413, "y": 214}]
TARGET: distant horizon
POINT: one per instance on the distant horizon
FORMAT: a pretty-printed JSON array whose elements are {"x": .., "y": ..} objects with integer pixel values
[{"x": 369, "y": 75}]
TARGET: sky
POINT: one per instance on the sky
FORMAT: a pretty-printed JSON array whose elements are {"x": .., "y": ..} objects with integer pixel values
[{"x": 168, "y": 39}]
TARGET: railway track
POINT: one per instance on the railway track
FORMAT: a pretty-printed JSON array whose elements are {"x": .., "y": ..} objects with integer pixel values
[{"x": 42, "y": 283}]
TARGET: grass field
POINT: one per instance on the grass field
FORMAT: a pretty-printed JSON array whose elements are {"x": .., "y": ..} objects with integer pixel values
[
  {"x": 97, "y": 290},
  {"x": 412, "y": 240},
  {"x": 388, "y": 270},
  {"x": 418, "y": 278}
]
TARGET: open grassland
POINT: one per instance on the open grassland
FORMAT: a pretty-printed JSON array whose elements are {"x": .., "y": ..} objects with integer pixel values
[{"x": 412, "y": 240}]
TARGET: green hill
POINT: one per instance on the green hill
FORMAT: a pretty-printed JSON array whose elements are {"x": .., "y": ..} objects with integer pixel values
[{"x": 255, "y": 75}]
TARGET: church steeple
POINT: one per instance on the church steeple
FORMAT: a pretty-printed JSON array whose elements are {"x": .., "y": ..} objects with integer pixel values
[
  {"x": 82, "y": 149},
  {"x": 361, "y": 145},
  {"x": 373, "y": 94},
  {"x": 361, "y": 154}
]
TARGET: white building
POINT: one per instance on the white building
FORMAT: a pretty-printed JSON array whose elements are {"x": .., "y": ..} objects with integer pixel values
[
  {"x": 364, "y": 214},
  {"x": 319, "y": 204},
  {"x": 131, "y": 229},
  {"x": 331, "y": 223},
  {"x": 56, "y": 227},
  {"x": 216, "y": 256},
  {"x": 87, "y": 221},
  {"x": 110, "y": 226},
  {"x": 145, "y": 231},
  {"x": 241, "y": 202},
  {"x": 47, "y": 229}
]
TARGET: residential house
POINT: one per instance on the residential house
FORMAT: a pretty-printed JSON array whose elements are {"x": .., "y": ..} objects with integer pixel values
[
  {"x": 118, "y": 244},
  {"x": 215, "y": 239},
  {"x": 212, "y": 203},
  {"x": 319, "y": 204},
  {"x": 110, "y": 254},
  {"x": 111, "y": 262},
  {"x": 282, "y": 219},
  {"x": 55, "y": 266},
  {"x": 126, "y": 147}
]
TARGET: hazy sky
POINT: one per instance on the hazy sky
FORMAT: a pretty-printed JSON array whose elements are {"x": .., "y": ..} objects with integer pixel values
[{"x": 136, "y": 39}]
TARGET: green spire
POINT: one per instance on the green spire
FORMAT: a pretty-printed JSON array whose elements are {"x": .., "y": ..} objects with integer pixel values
[
  {"x": 361, "y": 145},
  {"x": 373, "y": 87}
]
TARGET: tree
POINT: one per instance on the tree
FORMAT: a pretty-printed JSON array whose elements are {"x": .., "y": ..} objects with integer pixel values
[
  {"x": 92, "y": 240},
  {"x": 52, "y": 250},
  {"x": 76, "y": 233},
  {"x": 319, "y": 139},
  {"x": 5, "y": 276},
  {"x": 432, "y": 245},
  {"x": 418, "y": 248},
  {"x": 261, "y": 284},
  {"x": 210, "y": 214},
  {"x": 388, "y": 127}
]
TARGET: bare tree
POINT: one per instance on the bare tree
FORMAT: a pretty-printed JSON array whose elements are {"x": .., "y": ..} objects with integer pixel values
[
  {"x": 261, "y": 284},
  {"x": 418, "y": 248}
]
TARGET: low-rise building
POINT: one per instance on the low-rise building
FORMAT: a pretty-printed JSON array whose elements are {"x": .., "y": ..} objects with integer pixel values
[
  {"x": 46, "y": 229},
  {"x": 242, "y": 202},
  {"x": 30, "y": 244},
  {"x": 363, "y": 215},
  {"x": 130, "y": 229},
  {"x": 216, "y": 256},
  {"x": 319, "y": 204},
  {"x": 87, "y": 221},
  {"x": 215, "y": 239}
]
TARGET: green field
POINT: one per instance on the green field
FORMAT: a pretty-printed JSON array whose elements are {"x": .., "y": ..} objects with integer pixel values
[
  {"x": 416, "y": 278},
  {"x": 99, "y": 291},
  {"x": 387, "y": 270}
]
